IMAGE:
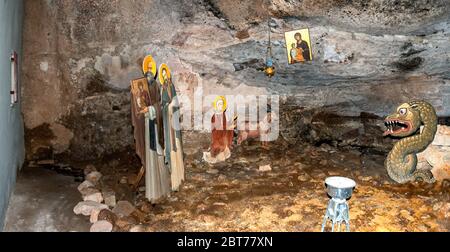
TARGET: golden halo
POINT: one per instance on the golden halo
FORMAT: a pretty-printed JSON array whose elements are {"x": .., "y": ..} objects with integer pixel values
[
  {"x": 149, "y": 64},
  {"x": 223, "y": 99},
  {"x": 160, "y": 73}
]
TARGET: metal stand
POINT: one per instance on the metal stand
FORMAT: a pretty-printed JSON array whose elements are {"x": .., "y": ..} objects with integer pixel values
[{"x": 337, "y": 212}]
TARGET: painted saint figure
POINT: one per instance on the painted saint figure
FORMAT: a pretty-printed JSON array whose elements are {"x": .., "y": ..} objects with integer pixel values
[
  {"x": 147, "y": 120},
  {"x": 303, "y": 47},
  {"x": 296, "y": 54},
  {"x": 157, "y": 177},
  {"x": 172, "y": 131},
  {"x": 222, "y": 133}
]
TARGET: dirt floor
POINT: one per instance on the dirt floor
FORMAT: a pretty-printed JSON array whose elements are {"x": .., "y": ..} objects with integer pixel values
[{"x": 236, "y": 196}]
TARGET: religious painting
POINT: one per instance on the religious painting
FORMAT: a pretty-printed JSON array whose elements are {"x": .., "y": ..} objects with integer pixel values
[
  {"x": 140, "y": 91},
  {"x": 298, "y": 44},
  {"x": 164, "y": 74}
]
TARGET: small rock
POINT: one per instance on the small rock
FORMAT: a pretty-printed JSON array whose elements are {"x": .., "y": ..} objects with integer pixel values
[
  {"x": 107, "y": 215},
  {"x": 88, "y": 191},
  {"x": 89, "y": 169},
  {"x": 265, "y": 168},
  {"x": 86, "y": 184},
  {"x": 126, "y": 223},
  {"x": 365, "y": 179},
  {"x": 94, "y": 215},
  {"x": 213, "y": 171},
  {"x": 123, "y": 209},
  {"x": 110, "y": 198},
  {"x": 124, "y": 180},
  {"x": 319, "y": 175},
  {"x": 96, "y": 197},
  {"x": 138, "y": 215},
  {"x": 219, "y": 204},
  {"x": 299, "y": 166},
  {"x": 146, "y": 207},
  {"x": 201, "y": 207},
  {"x": 94, "y": 177},
  {"x": 222, "y": 177},
  {"x": 102, "y": 226},
  {"x": 323, "y": 162},
  {"x": 303, "y": 178},
  {"x": 407, "y": 215},
  {"x": 141, "y": 189},
  {"x": 86, "y": 207},
  {"x": 425, "y": 216},
  {"x": 173, "y": 199},
  {"x": 138, "y": 229}
]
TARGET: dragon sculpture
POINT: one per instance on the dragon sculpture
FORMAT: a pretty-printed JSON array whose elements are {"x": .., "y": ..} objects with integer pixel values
[{"x": 405, "y": 123}]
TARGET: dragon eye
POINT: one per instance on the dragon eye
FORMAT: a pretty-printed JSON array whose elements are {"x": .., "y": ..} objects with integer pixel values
[{"x": 403, "y": 111}]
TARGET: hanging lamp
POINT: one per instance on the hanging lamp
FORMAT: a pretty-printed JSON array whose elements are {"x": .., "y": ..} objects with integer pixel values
[{"x": 269, "y": 69}]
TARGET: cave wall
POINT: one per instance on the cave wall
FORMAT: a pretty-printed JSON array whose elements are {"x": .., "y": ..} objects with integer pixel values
[
  {"x": 369, "y": 56},
  {"x": 12, "y": 149}
]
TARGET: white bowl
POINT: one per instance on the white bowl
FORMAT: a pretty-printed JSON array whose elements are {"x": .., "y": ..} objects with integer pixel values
[{"x": 340, "y": 187}]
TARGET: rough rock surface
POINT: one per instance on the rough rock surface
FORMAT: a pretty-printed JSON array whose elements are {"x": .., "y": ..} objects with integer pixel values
[
  {"x": 89, "y": 169},
  {"x": 85, "y": 185},
  {"x": 94, "y": 196},
  {"x": 437, "y": 156},
  {"x": 107, "y": 215},
  {"x": 94, "y": 177},
  {"x": 86, "y": 207},
  {"x": 369, "y": 56},
  {"x": 110, "y": 198},
  {"x": 102, "y": 226},
  {"x": 123, "y": 209},
  {"x": 265, "y": 168}
]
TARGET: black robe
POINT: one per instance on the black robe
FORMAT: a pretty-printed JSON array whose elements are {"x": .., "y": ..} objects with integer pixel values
[{"x": 306, "y": 51}]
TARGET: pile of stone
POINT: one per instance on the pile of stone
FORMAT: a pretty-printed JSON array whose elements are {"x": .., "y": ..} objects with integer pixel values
[{"x": 106, "y": 214}]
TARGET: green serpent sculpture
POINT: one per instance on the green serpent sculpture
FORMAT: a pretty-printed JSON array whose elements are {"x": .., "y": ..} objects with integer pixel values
[{"x": 406, "y": 123}]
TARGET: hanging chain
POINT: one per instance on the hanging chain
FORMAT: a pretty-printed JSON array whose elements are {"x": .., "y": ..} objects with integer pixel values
[{"x": 269, "y": 48}]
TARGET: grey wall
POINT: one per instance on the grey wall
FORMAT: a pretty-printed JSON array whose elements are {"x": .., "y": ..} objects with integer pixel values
[{"x": 11, "y": 124}]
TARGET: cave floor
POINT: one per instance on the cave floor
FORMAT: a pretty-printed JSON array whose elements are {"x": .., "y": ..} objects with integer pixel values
[
  {"x": 43, "y": 201},
  {"x": 236, "y": 196}
]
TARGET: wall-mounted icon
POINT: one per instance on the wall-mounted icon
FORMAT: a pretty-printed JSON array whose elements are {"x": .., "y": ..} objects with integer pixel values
[{"x": 298, "y": 44}]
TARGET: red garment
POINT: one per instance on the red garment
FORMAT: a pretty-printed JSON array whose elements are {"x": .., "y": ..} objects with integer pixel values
[{"x": 221, "y": 137}]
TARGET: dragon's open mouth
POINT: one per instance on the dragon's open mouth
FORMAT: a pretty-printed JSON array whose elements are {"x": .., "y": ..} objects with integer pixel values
[{"x": 396, "y": 127}]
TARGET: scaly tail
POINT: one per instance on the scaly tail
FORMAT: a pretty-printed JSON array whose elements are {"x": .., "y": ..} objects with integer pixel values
[{"x": 425, "y": 175}]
